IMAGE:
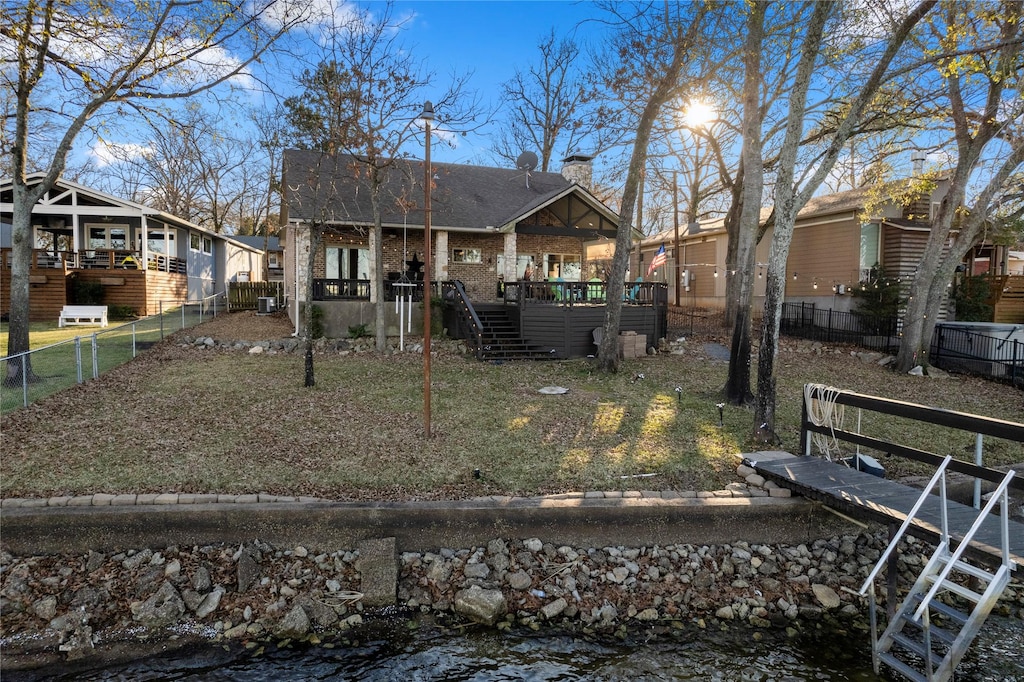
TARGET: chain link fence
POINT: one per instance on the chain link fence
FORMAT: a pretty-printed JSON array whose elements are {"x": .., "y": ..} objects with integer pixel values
[{"x": 41, "y": 372}]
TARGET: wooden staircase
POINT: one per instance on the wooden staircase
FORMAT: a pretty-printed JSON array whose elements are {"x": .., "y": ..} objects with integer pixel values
[
  {"x": 501, "y": 339},
  {"x": 1007, "y": 299},
  {"x": 940, "y": 616}
]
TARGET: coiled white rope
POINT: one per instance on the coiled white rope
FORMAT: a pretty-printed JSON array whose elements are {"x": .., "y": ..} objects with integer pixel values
[{"x": 824, "y": 411}]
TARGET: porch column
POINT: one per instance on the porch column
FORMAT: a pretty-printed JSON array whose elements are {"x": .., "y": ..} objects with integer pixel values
[
  {"x": 440, "y": 267},
  {"x": 144, "y": 243},
  {"x": 511, "y": 257},
  {"x": 76, "y": 236},
  {"x": 375, "y": 267}
]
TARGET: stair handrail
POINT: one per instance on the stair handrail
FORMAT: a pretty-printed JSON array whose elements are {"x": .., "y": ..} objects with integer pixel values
[
  {"x": 997, "y": 494},
  {"x": 474, "y": 319},
  {"x": 936, "y": 477}
]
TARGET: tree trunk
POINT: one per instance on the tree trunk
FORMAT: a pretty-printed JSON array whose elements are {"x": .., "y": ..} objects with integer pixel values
[
  {"x": 764, "y": 407},
  {"x": 315, "y": 239},
  {"x": 21, "y": 261},
  {"x": 737, "y": 385}
]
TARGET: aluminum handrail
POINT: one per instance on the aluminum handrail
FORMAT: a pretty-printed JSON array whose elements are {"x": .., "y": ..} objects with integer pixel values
[
  {"x": 939, "y": 473},
  {"x": 999, "y": 492}
]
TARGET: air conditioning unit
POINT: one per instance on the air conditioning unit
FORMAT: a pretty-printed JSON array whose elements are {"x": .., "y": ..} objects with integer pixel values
[{"x": 266, "y": 305}]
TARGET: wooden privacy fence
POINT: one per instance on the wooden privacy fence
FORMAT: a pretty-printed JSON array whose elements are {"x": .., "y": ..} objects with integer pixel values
[{"x": 246, "y": 295}]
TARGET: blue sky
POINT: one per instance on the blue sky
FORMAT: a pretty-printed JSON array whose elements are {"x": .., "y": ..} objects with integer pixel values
[{"x": 491, "y": 38}]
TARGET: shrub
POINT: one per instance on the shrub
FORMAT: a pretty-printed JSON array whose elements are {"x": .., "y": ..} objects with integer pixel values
[
  {"x": 84, "y": 292},
  {"x": 358, "y": 331},
  {"x": 970, "y": 296},
  {"x": 121, "y": 312},
  {"x": 878, "y": 302}
]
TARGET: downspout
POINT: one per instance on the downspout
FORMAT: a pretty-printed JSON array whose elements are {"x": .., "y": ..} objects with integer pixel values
[{"x": 295, "y": 249}]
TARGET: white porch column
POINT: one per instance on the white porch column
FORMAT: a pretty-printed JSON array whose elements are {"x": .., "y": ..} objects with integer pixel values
[
  {"x": 440, "y": 252},
  {"x": 76, "y": 233},
  {"x": 511, "y": 257},
  {"x": 144, "y": 245},
  {"x": 375, "y": 267}
]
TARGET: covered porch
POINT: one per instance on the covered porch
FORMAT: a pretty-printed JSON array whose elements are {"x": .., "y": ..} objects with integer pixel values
[{"x": 126, "y": 280}]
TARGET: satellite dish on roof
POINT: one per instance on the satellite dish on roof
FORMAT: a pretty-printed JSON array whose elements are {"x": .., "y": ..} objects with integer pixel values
[{"x": 527, "y": 161}]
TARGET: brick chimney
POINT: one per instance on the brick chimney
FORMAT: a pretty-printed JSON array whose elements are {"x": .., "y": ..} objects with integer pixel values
[{"x": 578, "y": 168}]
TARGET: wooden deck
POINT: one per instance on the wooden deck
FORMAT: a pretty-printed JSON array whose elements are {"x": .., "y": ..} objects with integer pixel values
[{"x": 865, "y": 497}]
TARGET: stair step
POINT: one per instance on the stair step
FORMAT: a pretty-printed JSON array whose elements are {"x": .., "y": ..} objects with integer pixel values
[
  {"x": 937, "y": 633},
  {"x": 902, "y": 668},
  {"x": 956, "y": 589},
  {"x": 964, "y": 567},
  {"x": 946, "y": 610},
  {"x": 917, "y": 648}
]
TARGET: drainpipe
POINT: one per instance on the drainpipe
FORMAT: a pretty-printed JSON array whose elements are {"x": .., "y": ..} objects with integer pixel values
[{"x": 295, "y": 298}]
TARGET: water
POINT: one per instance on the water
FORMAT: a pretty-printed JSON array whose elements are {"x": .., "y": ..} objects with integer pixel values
[{"x": 391, "y": 652}]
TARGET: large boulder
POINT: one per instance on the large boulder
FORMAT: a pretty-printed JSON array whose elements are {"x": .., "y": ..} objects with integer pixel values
[{"x": 480, "y": 605}]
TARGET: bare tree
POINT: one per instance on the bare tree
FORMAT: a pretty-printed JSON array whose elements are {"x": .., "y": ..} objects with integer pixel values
[
  {"x": 982, "y": 99},
  {"x": 653, "y": 47},
  {"x": 359, "y": 102},
  {"x": 791, "y": 195},
  {"x": 72, "y": 62},
  {"x": 549, "y": 107}
]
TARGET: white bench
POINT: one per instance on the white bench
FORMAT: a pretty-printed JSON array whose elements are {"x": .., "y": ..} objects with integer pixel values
[{"x": 83, "y": 314}]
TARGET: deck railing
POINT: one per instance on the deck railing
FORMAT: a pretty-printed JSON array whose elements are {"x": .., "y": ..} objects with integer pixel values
[
  {"x": 359, "y": 290},
  {"x": 526, "y": 293},
  {"x": 99, "y": 259},
  {"x": 980, "y": 426}
]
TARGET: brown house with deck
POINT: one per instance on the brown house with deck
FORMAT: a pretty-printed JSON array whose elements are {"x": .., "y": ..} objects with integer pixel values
[{"x": 141, "y": 257}]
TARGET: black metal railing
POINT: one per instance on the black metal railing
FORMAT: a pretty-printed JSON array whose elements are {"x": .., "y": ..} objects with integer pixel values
[
  {"x": 962, "y": 350},
  {"x": 470, "y": 326},
  {"x": 359, "y": 289},
  {"x": 806, "y": 320},
  {"x": 577, "y": 293}
]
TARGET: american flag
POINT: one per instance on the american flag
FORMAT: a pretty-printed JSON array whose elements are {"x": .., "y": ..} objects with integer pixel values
[{"x": 660, "y": 259}]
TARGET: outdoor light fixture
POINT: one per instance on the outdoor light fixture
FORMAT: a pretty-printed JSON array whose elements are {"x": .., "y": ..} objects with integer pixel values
[
  {"x": 795, "y": 275},
  {"x": 716, "y": 272},
  {"x": 815, "y": 282},
  {"x": 428, "y": 117}
]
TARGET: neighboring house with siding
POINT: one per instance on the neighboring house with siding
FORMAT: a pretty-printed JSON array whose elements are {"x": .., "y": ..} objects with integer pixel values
[
  {"x": 140, "y": 256},
  {"x": 834, "y": 248},
  {"x": 274, "y": 251}
]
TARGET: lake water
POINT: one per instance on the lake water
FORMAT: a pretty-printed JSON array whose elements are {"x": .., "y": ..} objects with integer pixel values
[{"x": 393, "y": 651}]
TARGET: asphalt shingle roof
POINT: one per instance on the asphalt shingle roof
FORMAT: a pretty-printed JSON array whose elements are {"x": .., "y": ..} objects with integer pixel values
[{"x": 463, "y": 196}]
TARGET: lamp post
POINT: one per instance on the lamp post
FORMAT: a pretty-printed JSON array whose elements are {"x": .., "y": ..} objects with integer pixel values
[{"x": 428, "y": 117}]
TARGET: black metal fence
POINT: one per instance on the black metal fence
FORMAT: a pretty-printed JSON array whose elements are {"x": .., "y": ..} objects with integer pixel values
[
  {"x": 970, "y": 352},
  {"x": 807, "y": 321},
  {"x": 952, "y": 349}
]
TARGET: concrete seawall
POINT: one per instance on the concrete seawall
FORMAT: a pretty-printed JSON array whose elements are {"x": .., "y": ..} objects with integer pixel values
[{"x": 578, "y": 519}]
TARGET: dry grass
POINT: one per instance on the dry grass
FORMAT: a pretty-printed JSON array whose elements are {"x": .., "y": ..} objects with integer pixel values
[{"x": 190, "y": 420}]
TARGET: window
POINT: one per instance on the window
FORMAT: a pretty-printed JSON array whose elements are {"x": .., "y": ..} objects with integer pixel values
[
  {"x": 869, "y": 245},
  {"x": 272, "y": 260},
  {"x": 158, "y": 241},
  {"x": 467, "y": 256},
  {"x": 207, "y": 245},
  {"x": 347, "y": 263},
  {"x": 566, "y": 266},
  {"x": 107, "y": 237},
  {"x": 193, "y": 241}
]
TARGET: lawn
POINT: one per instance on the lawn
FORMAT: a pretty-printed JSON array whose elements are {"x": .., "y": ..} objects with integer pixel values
[
  {"x": 188, "y": 420},
  {"x": 58, "y": 364}
]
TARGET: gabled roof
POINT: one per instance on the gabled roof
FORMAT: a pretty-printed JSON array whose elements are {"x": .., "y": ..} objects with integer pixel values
[
  {"x": 463, "y": 197},
  {"x": 256, "y": 241},
  {"x": 97, "y": 198}
]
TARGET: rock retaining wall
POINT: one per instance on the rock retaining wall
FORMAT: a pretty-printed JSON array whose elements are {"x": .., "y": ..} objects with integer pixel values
[{"x": 66, "y": 607}]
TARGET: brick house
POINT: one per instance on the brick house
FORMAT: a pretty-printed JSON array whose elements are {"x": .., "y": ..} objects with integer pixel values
[{"x": 490, "y": 227}]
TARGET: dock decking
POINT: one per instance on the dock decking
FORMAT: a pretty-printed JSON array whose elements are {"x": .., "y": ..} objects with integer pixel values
[{"x": 867, "y": 497}]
